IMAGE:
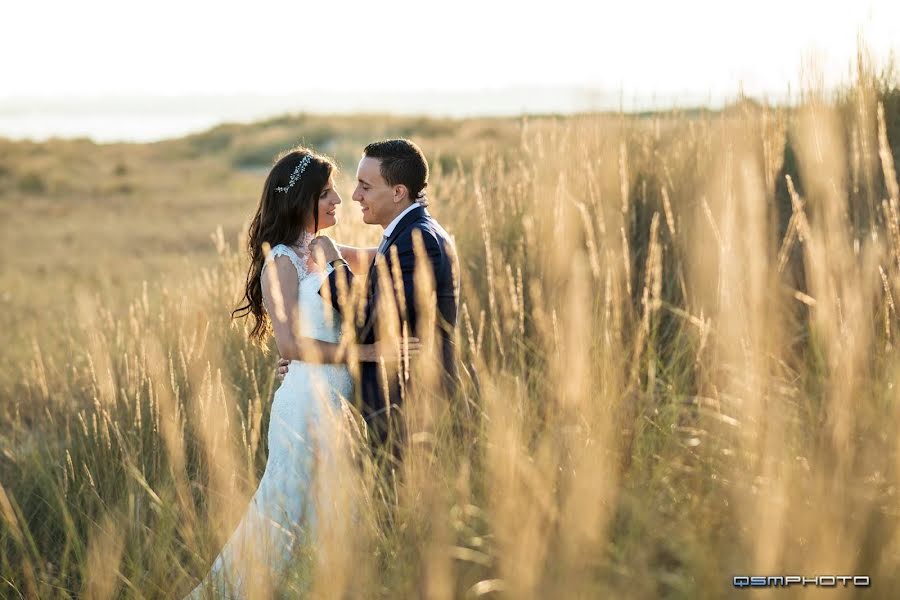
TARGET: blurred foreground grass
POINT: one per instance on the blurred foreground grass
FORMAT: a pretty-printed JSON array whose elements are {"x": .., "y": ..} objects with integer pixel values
[{"x": 683, "y": 327}]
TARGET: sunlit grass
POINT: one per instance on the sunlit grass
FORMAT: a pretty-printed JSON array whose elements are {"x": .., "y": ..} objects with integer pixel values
[{"x": 678, "y": 363}]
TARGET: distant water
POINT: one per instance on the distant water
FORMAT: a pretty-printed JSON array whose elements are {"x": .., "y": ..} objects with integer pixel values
[
  {"x": 146, "y": 119},
  {"x": 137, "y": 127}
]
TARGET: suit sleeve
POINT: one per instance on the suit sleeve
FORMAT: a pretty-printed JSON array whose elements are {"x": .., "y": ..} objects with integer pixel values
[{"x": 343, "y": 273}]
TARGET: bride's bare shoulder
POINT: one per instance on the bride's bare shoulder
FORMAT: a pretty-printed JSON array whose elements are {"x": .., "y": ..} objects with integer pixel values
[{"x": 279, "y": 281}]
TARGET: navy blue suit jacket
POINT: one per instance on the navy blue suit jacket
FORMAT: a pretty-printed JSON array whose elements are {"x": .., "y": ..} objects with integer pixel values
[{"x": 445, "y": 268}]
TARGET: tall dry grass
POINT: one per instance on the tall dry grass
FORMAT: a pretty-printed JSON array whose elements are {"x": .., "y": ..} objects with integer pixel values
[{"x": 678, "y": 364}]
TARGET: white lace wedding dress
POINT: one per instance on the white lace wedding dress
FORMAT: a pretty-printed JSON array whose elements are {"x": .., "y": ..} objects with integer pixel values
[{"x": 303, "y": 438}]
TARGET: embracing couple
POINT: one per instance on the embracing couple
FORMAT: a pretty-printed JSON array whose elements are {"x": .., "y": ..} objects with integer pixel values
[{"x": 334, "y": 354}]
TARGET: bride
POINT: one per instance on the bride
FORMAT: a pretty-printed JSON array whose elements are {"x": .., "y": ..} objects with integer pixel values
[{"x": 282, "y": 294}]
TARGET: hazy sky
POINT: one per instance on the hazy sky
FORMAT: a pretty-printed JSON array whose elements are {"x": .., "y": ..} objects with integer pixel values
[{"x": 95, "y": 47}]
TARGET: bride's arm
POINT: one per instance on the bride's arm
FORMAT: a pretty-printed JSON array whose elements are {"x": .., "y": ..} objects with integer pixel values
[
  {"x": 359, "y": 259},
  {"x": 280, "y": 290}
]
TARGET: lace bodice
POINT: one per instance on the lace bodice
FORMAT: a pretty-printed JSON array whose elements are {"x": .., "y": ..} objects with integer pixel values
[{"x": 316, "y": 320}]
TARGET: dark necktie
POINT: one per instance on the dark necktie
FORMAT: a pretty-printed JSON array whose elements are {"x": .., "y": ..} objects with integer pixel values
[{"x": 383, "y": 246}]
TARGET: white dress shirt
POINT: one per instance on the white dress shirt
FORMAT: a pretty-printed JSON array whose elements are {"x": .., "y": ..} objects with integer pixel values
[{"x": 393, "y": 225}]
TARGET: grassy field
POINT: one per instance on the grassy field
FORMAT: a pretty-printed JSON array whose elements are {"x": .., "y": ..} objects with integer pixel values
[{"x": 677, "y": 337}]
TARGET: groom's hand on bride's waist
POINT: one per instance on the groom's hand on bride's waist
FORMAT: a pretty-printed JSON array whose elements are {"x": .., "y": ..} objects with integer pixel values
[
  {"x": 395, "y": 350},
  {"x": 390, "y": 351},
  {"x": 282, "y": 368}
]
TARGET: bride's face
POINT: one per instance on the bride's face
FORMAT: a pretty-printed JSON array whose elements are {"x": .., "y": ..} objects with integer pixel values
[{"x": 328, "y": 201}]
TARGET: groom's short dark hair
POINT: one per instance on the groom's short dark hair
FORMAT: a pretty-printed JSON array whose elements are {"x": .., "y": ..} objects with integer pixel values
[{"x": 402, "y": 163}]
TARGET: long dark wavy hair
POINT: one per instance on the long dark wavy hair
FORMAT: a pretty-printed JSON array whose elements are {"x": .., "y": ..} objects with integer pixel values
[{"x": 281, "y": 218}]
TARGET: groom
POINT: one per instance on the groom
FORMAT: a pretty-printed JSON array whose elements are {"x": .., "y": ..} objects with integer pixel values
[{"x": 391, "y": 179}]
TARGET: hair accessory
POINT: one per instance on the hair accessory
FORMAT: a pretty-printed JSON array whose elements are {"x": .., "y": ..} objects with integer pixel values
[{"x": 298, "y": 171}]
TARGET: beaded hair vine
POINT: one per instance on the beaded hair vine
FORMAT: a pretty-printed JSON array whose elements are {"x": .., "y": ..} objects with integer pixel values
[{"x": 298, "y": 171}]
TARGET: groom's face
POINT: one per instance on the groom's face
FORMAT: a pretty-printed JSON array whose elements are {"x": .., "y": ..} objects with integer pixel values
[{"x": 378, "y": 200}]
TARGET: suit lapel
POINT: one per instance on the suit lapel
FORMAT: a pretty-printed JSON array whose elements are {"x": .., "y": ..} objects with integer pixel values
[
  {"x": 404, "y": 224},
  {"x": 407, "y": 220}
]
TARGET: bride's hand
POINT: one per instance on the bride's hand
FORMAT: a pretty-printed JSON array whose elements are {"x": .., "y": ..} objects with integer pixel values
[
  {"x": 324, "y": 250},
  {"x": 391, "y": 351}
]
